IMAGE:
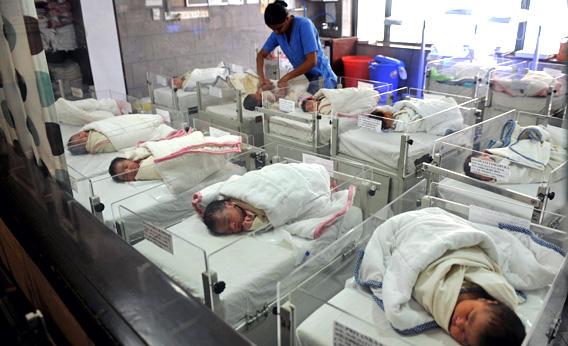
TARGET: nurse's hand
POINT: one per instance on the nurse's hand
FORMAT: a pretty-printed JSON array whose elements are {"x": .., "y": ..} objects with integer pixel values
[
  {"x": 282, "y": 83},
  {"x": 266, "y": 84}
]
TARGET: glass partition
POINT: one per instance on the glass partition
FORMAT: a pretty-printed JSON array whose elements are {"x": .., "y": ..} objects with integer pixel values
[
  {"x": 176, "y": 256},
  {"x": 152, "y": 184},
  {"x": 128, "y": 104},
  {"x": 465, "y": 76},
  {"x": 351, "y": 82},
  {"x": 213, "y": 130},
  {"x": 291, "y": 113},
  {"x": 399, "y": 136},
  {"x": 81, "y": 187},
  {"x": 273, "y": 252},
  {"x": 540, "y": 91},
  {"x": 323, "y": 292},
  {"x": 218, "y": 95},
  {"x": 476, "y": 152},
  {"x": 90, "y": 149}
]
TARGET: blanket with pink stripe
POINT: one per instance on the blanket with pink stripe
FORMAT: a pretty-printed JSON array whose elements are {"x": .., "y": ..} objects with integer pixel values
[
  {"x": 183, "y": 160},
  {"x": 296, "y": 196}
]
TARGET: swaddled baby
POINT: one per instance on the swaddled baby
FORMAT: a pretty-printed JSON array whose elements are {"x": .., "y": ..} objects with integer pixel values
[
  {"x": 116, "y": 133},
  {"x": 428, "y": 268},
  {"x": 89, "y": 142},
  {"x": 231, "y": 216},
  {"x": 482, "y": 299},
  {"x": 533, "y": 155},
  {"x": 345, "y": 101},
  {"x": 123, "y": 170}
]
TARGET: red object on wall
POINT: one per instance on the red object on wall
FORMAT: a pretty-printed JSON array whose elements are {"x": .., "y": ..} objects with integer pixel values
[
  {"x": 356, "y": 66},
  {"x": 563, "y": 51}
]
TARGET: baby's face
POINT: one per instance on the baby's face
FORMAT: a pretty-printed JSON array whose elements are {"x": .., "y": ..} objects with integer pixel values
[
  {"x": 311, "y": 106},
  {"x": 230, "y": 221},
  {"x": 127, "y": 170},
  {"x": 469, "y": 319},
  {"x": 79, "y": 139}
]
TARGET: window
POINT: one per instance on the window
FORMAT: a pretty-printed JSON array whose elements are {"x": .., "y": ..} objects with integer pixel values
[
  {"x": 551, "y": 15},
  {"x": 485, "y": 25},
  {"x": 370, "y": 20}
]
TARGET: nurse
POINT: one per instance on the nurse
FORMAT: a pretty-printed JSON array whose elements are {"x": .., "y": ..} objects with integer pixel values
[{"x": 299, "y": 40}]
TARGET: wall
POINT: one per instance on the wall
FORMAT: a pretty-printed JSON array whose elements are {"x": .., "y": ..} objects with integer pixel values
[
  {"x": 410, "y": 57},
  {"x": 230, "y": 34},
  {"x": 102, "y": 43}
]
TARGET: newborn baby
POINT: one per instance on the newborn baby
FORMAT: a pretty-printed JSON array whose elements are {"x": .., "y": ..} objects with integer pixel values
[
  {"x": 298, "y": 90},
  {"x": 231, "y": 216},
  {"x": 89, "y": 142},
  {"x": 479, "y": 319},
  {"x": 123, "y": 170},
  {"x": 532, "y": 158}
]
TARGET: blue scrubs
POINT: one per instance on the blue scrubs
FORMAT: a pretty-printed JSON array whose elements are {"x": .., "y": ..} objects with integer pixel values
[{"x": 304, "y": 39}]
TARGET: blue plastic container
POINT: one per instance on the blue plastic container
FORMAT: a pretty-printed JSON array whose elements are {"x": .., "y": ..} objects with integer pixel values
[{"x": 387, "y": 70}]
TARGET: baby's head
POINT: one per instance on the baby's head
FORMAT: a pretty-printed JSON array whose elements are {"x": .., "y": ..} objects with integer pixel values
[
  {"x": 77, "y": 143},
  {"x": 251, "y": 101},
  {"x": 309, "y": 105},
  {"x": 224, "y": 217},
  {"x": 122, "y": 169},
  {"x": 386, "y": 121},
  {"x": 482, "y": 322},
  {"x": 467, "y": 166}
]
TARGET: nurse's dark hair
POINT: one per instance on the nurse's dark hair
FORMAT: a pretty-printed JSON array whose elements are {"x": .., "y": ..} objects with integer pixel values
[
  {"x": 210, "y": 213},
  {"x": 275, "y": 13},
  {"x": 503, "y": 328}
]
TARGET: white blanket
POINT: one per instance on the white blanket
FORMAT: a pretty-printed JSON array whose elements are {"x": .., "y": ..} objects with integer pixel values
[
  {"x": 406, "y": 244},
  {"x": 534, "y": 83},
  {"x": 467, "y": 70},
  {"x": 438, "y": 116},
  {"x": 349, "y": 100},
  {"x": 85, "y": 111},
  {"x": 184, "y": 160},
  {"x": 127, "y": 130},
  {"x": 297, "y": 195},
  {"x": 534, "y": 153},
  {"x": 203, "y": 75}
]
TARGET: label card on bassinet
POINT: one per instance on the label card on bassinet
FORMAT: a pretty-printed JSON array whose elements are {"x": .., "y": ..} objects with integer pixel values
[
  {"x": 345, "y": 336},
  {"x": 159, "y": 237},
  {"x": 369, "y": 123},
  {"x": 494, "y": 218},
  {"x": 215, "y": 132},
  {"x": 327, "y": 164},
  {"x": 77, "y": 92},
  {"x": 215, "y": 92},
  {"x": 365, "y": 85},
  {"x": 286, "y": 106},
  {"x": 489, "y": 168}
]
